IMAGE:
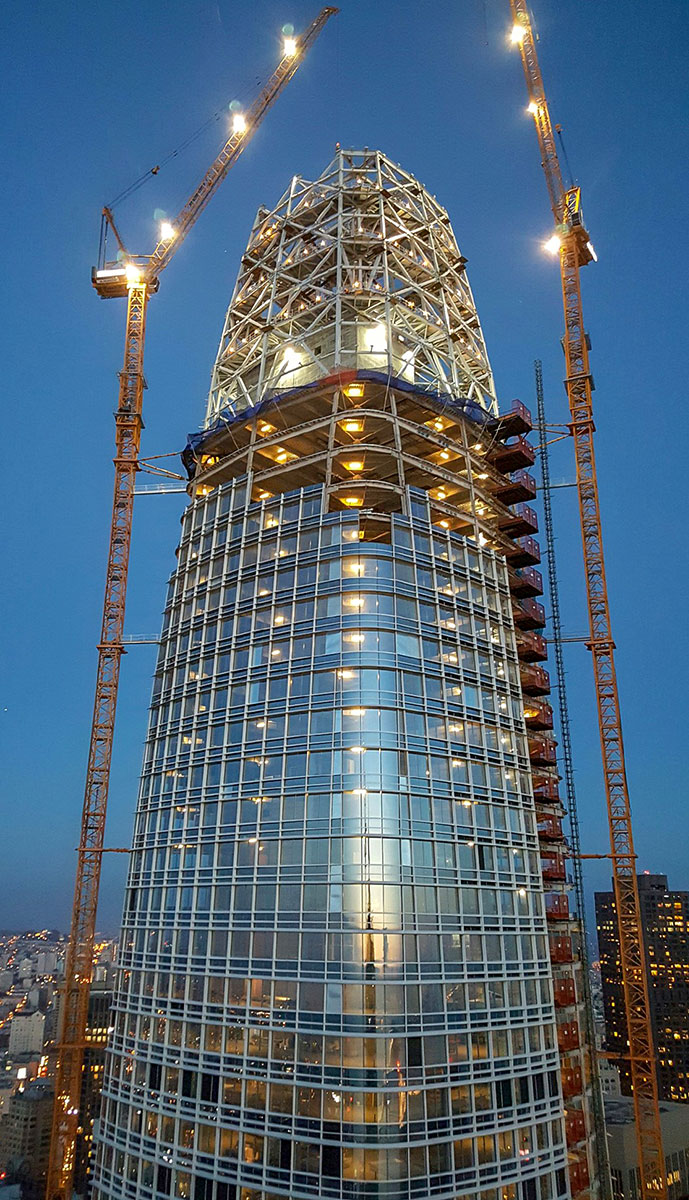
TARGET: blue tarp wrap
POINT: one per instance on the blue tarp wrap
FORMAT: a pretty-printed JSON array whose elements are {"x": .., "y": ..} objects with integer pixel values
[{"x": 197, "y": 442}]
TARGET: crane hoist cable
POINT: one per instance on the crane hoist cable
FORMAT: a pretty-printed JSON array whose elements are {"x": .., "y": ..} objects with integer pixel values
[
  {"x": 135, "y": 278},
  {"x": 172, "y": 154},
  {"x": 572, "y": 244}
]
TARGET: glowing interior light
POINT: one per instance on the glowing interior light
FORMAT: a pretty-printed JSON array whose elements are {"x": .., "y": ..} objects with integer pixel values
[
  {"x": 355, "y": 464},
  {"x": 355, "y": 391},
  {"x": 517, "y": 35},
  {"x": 239, "y": 123},
  {"x": 552, "y": 245},
  {"x": 133, "y": 273},
  {"x": 357, "y": 749},
  {"x": 167, "y": 231},
  {"x": 357, "y": 638},
  {"x": 291, "y": 359},
  {"x": 353, "y": 426},
  {"x": 289, "y": 47},
  {"x": 377, "y": 339},
  {"x": 353, "y": 501}
]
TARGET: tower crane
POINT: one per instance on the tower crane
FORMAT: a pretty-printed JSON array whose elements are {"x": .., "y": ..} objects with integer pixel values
[
  {"x": 572, "y": 243},
  {"x": 136, "y": 278}
]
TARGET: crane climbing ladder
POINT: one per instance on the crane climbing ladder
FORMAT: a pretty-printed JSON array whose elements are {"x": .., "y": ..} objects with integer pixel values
[
  {"x": 572, "y": 243},
  {"x": 596, "y": 1102},
  {"x": 136, "y": 278}
]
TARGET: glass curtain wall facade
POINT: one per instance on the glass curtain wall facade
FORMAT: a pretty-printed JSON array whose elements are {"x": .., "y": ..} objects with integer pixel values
[
  {"x": 335, "y": 977},
  {"x": 335, "y": 895}
]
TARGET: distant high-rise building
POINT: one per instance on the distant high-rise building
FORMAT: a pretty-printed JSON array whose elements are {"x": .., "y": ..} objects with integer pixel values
[
  {"x": 46, "y": 962},
  {"x": 27, "y": 1033},
  {"x": 25, "y": 1129},
  {"x": 348, "y": 965},
  {"x": 624, "y": 1148},
  {"x": 665, "y": 920},
  {"x": 97, "y": 1030}
]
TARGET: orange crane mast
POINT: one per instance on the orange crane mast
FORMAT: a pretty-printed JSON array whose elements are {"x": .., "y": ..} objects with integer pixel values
[
  {"x": 137, "y": 278},
  {"x": 571, "y": 241}
]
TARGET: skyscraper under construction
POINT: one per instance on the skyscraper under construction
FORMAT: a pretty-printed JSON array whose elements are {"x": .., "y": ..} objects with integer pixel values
[{"x": 348, "y": 965}]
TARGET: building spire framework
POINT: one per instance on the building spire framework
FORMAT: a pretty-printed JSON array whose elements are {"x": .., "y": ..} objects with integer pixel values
[{"x": 359, "y": 268}]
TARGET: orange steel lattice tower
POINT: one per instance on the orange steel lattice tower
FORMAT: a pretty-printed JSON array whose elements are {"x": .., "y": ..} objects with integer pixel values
[
  {"x": 575, "y": 251},
  {"x": 137, "y": 278}
]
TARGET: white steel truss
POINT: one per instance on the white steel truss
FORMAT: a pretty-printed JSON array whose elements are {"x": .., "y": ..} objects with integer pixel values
[{"x": 359, "y": 269}]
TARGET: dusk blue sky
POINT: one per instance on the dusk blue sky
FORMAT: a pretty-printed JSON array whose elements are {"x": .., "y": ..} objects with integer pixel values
[{"x": 96, "y": 94}]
